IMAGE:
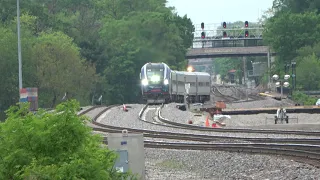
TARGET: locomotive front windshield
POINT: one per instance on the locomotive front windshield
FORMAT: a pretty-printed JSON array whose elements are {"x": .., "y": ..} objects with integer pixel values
[{"x": 155, "y": 75}]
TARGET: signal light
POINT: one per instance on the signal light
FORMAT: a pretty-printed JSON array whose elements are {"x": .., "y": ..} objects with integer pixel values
[
  {"x": 224, "y": 34},
  {"x": 203, "y": 35},
  {"x": 224, "y": 24},
  {"x": 246, "y": 34},
  {"x": 246, "y": 24},
  {"x": 202, "y": 25},
  {"x": 190, "y": 69}
]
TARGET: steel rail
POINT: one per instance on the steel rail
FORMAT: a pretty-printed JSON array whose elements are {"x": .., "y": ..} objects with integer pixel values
[
  {"x": 238, "y": 130},
  {"x": 300, "y": 152},
  {"x": 193, "y": 137}
]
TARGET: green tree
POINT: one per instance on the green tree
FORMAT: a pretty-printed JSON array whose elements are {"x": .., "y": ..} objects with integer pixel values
[
  {"x": 146, "y": 31},
  {"x": 296, "y": 6},
  {"x": 308, "y": 67},
  {"x": 53, "y": 146},
  {"x": 287, "y": 32},
  {"x": 9, "y": 61},
  {"x": 137, "y": 39},
  {"x": 60, "y": 68},
  {"x": 222, "y": 66},
  {"x": 308, "y": 73}
]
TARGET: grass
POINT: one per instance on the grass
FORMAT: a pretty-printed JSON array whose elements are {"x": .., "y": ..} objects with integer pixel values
[{"x": 171, "y": 164}]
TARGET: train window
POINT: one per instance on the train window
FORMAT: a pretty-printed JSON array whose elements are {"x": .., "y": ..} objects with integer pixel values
[
  {"x": 154, "y": 72},
  {"x": 201, "y": 84},
  {"x": 207, "y": 84},
  {"x": 193, "y": 84}
]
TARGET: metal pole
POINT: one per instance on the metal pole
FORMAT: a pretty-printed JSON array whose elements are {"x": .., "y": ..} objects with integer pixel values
[
  {"x": 19, "y": 45},
  {"x": 281, "y": 91},
  {"x": 269, "y": 66},
  {"x": 244, "y": 70},
  {"x": 92, "y": 100}
]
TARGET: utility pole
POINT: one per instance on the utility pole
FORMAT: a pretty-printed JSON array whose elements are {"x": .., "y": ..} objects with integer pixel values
[
  {"x": 19, "y": 46},
  {"x": 186, "y": 94},
  {"x": 244, "y": 71}
]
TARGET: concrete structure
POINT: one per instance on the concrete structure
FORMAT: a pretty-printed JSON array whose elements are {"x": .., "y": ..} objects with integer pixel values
[
  {"x": 196, "y": 53},
  {"x": 130, "y": 148}
]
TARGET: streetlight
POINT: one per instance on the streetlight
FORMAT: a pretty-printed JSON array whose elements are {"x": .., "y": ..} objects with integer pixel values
[
  {"x": 281, "y": 82},
  {"x": 19, "y": 46}
]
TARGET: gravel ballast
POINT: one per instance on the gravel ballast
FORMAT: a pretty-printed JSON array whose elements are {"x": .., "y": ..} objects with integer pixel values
[
  {"x": 183, "y": 164},
  {"x": 117, "y": 117},
  {"x": 297, "y": 121},
  {"x": 200, "y": 165}
]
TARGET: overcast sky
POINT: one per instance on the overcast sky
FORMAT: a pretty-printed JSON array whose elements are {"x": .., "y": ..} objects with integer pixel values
[{"x": 217, "y": 11}]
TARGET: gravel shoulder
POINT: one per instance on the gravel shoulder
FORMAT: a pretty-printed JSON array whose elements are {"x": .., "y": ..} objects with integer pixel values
[
  {"x": 117, "y": 117},
  {"x": 201, "y": 165},
  {"x": 297, "y": 121}
]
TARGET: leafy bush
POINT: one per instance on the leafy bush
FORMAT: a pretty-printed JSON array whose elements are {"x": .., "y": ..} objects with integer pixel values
[
  {"x": 55, "y": 145},
  {"x": 303, "y": 98}
]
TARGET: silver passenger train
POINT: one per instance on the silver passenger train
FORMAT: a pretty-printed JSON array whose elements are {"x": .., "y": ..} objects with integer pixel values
[
  {"x": 160, "y": 84},
  {"x": 155, "y": 79}
]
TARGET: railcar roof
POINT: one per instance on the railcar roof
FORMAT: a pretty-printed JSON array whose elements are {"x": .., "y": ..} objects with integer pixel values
[{"x": 191, "y": 73}]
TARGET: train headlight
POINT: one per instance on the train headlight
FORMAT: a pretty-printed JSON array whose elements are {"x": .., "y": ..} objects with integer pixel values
[
  {"x": 144, "y": 82},
  {"x": 166, "y": 82}
]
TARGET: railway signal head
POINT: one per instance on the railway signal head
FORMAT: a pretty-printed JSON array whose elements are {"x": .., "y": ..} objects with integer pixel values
[
  {"x": 246, "y": 24},
  {"x": 224, "y": 34},
  {"x": 203, "y": 35},
  {"x": 246, "y": 34},
  {"x": 202, "y": 25},
  {"x": 224, "y": 24}
]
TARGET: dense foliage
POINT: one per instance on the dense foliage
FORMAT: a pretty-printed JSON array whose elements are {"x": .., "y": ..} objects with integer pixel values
[
  {"x": 88, "y": 48},
  {"x": 55, "y": 145},
  {"x": 300, "y": 97},
  {"x": 294, "y": 33}
]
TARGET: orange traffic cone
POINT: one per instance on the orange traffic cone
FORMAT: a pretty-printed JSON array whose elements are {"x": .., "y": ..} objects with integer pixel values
[{"x": 207, "y": 122}]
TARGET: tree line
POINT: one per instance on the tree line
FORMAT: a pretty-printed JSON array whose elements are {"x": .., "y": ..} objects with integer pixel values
[
  {"x": 88, "y": 48},
  {"x": 293, "y": 32}
]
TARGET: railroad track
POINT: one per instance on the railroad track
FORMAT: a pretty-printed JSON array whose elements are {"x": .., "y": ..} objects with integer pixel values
[
  {"x": 303, "y": 150},
  {"x": 237, "y": 130},
  {"x": 243, "y": 95},
  {"x": 227, "y": 98}
]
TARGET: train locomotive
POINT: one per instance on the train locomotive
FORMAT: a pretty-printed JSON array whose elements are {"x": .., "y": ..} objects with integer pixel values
[
  {"x": 160, "y": 84},
  {"x": 155, "y": 78}
]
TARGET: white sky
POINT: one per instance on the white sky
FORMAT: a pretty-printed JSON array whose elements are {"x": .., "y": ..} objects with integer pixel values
[{"x": 217, "y": 11}]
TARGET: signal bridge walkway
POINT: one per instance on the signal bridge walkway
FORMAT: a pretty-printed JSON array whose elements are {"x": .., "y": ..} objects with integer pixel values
[{"x": 210, "y": 52}]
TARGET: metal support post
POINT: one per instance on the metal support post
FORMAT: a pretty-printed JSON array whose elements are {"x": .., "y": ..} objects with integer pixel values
[
  {"x": 187, "y": 87},
  {"x": 247, "y": 98},
  {"x": 281, "y": 92},
  {"x": 244, "y": 70},
  {"x": 269, "y": 68},
  {"x": 19, "y": 45},
  {"x": 294, "y": 77}
]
